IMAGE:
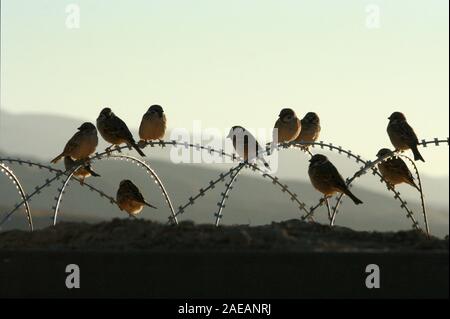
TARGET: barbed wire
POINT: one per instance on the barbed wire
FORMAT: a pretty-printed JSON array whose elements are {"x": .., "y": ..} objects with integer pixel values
[
  {"x": 275, "y": 181},
  {"x": 410, "y": 214},
  {"x": 349, "y": 154},
  {"x": 229, "y": 187},
  {"x": 203, "y": 191},
  {"x": 10, "y": 174},
  {"x": 422, "y": 197},
  {"x": 371, "y": 166},
  {"x": 47, "y": 183},
  {"x": 127, "y": 158},
  {"x": 233, "y": 157},
  {"x": 331, "y": 147}
]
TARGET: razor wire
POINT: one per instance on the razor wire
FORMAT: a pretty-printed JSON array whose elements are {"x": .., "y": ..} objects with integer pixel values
[
  {"x": 222, "y": 153},
  {"x": 127, "y": 158},
  {"x": 10, "y": 174},
  {"x": 55, "y": 170},
  {"x": 47, "y": 183},
  {"x": 275, "y": 181},
  {"x": 229, "y": 187},
  {"x": 358, "y": 159},
  {"x": 371, "y": 166},
  {"x": 410, "y": 214},
  {"x": 422, "y": 197}
]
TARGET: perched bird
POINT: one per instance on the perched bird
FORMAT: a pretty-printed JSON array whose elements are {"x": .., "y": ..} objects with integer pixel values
[
  {"x": 287, "y": 127},
  {"x": 130, "y": 199},
  {"x": 246, "y": 145},
  {"x": 326, "y": 178},
  {"x": 153, "y": 124},
  {"x": 115, "y": 131},
  {"x": 82, "y": 144},
  {"x": 394, "y": 170},
  {"x": 83, "y": 172},
  {"x": 310, "y": 129},
  {"x": 402, "y": 135}
]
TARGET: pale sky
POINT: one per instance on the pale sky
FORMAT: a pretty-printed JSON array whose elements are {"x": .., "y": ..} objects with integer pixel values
[{"x": 235, "y": 62}]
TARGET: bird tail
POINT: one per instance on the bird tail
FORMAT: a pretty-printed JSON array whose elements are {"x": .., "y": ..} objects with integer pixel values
[
  {"x": 93, "y": 173},
  {"x": 150, "y": 205},
  {"x": 417, "y": 155},
  {"x": 136, "y": 147},
  {"x": 266, "y": 165},
  {"x": 355, "y": 199},
  {"x": 413, "y": 184},
  {"x": 57, "y": 158}
]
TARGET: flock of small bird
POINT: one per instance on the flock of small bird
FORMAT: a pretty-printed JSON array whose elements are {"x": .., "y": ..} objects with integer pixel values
[{"x": 288, "y": 128}]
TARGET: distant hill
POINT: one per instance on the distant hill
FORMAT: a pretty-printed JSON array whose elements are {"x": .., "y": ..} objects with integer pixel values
[
  {"x": 253, "y": 201},
  {"x": 56, "y": 130}
]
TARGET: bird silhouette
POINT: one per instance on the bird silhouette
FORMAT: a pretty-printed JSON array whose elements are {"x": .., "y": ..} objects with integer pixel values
[
  {"x": 402, "y": 135},
  {"x": 115, "y": 131},
  {"x": 82, "y": 144},
  {"x": 326, "y": 178},
  {"x": 130, "y": 199},
  {"x": 394, "y": 170}
]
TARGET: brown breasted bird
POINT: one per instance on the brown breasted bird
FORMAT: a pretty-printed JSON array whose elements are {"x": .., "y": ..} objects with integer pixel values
[
  {"x": 83, "y": 172},
  {"x": 82, "y": 144},
  {"x": 402, "y": 135},
  {"x": 153, "y": 124},
  {"x": 287, "y": 127},
  {"x": 310, "y": 129},
  {"x": 130, "y": 199},
  {"x": 394, "y": 170},
  {"x": 115, "y": 131},
  {"x": 246, "y": 145},
  {"x": 326, "y": 178}
]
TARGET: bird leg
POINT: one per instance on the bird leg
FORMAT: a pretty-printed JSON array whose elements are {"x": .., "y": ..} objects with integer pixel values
[
  {"x": 142, "y": 144},
  {"x": 328, "y": 208},
  {"x": 108, "y": 149},
  {"x": 308, "y": 151}
]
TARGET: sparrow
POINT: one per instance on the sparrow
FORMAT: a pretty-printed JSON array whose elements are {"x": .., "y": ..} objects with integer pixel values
[
  {"x": 115, "y": 131},
  {"x": 310, "y": 129},
  {"x": 402, "y": 135},
  {"x": 153, "y": 124},
  {"x": 326, "y": 178},
  {"x": 83, "y": 172},
  {"x": 246, "y": 145},
  {"x": 130, "y": 199},
  {"x": 82, "y": 144},
  {"x": 287, "y": 127},
  {"x": 394, "y": 170}
]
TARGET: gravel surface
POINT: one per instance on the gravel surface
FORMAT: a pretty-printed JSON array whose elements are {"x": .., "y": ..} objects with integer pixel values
[{"x": 141, "y": 235}]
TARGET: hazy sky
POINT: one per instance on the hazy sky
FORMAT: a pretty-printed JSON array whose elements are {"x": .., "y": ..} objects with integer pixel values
[{"x": 235, "y": 62}]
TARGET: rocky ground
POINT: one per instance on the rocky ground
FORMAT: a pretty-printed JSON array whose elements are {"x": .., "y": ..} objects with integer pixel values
[{"x": 141, "y": 235}]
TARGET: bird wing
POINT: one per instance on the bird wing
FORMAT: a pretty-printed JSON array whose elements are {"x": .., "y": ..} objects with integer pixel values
[
  {"x": 398, "y": 165},
  {"x": 334, "y": 177},
  {"x": 277, "y": 124},
  {"x": 250, "y": 140},
  {"x": 136, "y": 193},
  {"x": 118, "y": 127},
  {"x": 407, "y": 133},
  {"x": 73, "y": 143}
]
